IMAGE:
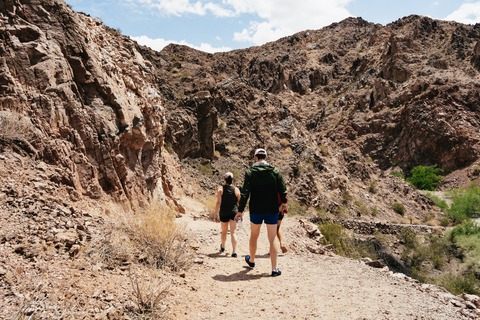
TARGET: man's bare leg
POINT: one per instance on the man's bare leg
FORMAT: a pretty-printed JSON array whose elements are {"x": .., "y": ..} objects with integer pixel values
[
  {"x": 254, "y": 233},
  {"x": 272, "y": 235}
]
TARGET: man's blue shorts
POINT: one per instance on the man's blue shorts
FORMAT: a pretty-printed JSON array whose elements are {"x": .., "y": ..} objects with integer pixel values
[{"x": 268, "y": 218}]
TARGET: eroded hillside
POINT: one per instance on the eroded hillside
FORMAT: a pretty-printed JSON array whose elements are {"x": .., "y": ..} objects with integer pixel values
[{"x": 337, "y": 109}]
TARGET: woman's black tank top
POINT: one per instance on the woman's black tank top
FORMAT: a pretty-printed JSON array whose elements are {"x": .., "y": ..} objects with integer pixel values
[{"x": 229, "y": 201}]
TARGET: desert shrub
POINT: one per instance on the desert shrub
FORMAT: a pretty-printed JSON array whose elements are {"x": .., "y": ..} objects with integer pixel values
[
  {"x": 287, "y": 153},
  {"x": 323, "y": 150},
  {"x": 466, "y": 238},
  {"x": 459, "y": 283},
  {"x": 442, "y": 204},
  {"x": 431, "y": 223},
  {"x": 284, "y": 142},
  {"x": 295, "y": 207},
  {"x": 346, "y": 196},
  {"x": 476, "y": 170},
  {"x": 445, "y": 220},
  {"x": 340, "y": 211},
  {"x": 428, "y": 216},
  {"x": 415, "y": 221},
  {"x": 361, "y": 207},
  {"x": 374, "y": 211},
  {"x": 398, "y": 208},
  {"x": 372, "y": 187},
  {"x": 148, "y": 292},
  {"x": 425, "y": 178},
  {"x": 236, "y": 174},
  {"x": 465, "y": 203},
  {"x": 206, "y": 169},
  {"x": 397, "y": 174},
  {"x": 210, "y": 204},
  {"x": 433, "y": 249},
  {"x": 468, "y": 228},
  {"x": 343, "y": 242},
  {"x": 408, "y": 238},
  {"x": 149, "y": 234}
]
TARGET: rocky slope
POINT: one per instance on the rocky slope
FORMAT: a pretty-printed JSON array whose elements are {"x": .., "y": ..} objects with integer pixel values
[
  {"x": 337, "y": 108},
  {"x": 88, "y": 101},
  {"x": 87, "y": 116}
]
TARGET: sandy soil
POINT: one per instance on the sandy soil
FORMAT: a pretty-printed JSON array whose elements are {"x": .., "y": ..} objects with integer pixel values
[{"x": 311, "y": 286}]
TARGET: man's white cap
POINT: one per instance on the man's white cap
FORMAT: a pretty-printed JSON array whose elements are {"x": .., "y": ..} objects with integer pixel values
[
  {"x": 228, "y": 174},
  {"x": 260, "y": 151}
]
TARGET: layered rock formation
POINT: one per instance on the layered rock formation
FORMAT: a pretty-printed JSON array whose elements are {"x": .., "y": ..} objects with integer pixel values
[
  {"x": 337, "y": 108},
  {"x": 88, "y": 100}
]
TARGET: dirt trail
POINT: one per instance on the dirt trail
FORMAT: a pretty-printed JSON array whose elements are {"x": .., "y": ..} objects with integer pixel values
[{"x": 311, "y": 286}]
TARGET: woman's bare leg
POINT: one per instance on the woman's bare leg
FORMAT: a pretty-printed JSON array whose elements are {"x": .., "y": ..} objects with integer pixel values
[
  {"x": 224, "y": 233},
  {"x": 280, "y": 237},
  {"x": 233, "y": 235}
]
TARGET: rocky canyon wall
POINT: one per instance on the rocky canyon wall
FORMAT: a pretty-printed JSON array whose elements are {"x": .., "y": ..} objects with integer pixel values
[{"x": 87, "y": 102}]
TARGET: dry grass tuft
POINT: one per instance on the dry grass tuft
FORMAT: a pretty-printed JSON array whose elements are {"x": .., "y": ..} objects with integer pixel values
[
  {"x": 149, "y": 235},
  {"x": 149, "y": 290},
  {"x": 210, "y": 203}
]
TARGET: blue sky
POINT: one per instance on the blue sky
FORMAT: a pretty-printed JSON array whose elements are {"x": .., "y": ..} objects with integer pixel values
[{"x": 223, "y": 25}]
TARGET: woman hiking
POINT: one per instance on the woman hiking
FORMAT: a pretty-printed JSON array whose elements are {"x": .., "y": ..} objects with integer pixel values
[{"x": 228, "y": 197}]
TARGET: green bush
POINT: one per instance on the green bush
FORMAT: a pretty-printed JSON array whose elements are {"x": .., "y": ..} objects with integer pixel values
[
  {"x": 295, "y": 207},
  {"x": 442, "y": 204},
  {"x": 465, "y": 203},
  {"x": 206, "y": 169},
  {"x": 425, "y": 178},
  {"x": 397, "y": 174},
  {"x": 344, "y": 244},
  {"x": 458, "y": 284},
  {"x": 398, "y": 208}
]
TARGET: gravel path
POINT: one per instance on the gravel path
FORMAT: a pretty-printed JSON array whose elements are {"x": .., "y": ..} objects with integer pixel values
[{"x": 311, "y": 286}]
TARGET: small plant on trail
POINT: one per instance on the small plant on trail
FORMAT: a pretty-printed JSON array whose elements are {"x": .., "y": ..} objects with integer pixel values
[{"x": 425, "y": 178}]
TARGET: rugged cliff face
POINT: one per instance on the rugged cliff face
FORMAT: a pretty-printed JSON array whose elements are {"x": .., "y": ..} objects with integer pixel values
[
  {"x": 88, "y": 100},
  {"x": 337, "y": 108}
]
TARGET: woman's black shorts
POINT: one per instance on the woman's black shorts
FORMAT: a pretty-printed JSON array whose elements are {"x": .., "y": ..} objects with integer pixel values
[{"x": 226, "y": 218}]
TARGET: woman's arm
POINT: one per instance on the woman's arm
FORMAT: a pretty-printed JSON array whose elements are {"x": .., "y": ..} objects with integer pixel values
[
  {"x": 237, "y": 193},
  {"x": 216, "y": 217}
]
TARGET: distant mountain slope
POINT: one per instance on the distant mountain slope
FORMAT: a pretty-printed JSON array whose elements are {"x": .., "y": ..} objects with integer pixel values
[{"x": 336, "y": 107}]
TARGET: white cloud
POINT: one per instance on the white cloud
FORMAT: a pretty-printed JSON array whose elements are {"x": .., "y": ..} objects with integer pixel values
[
  {"x": 180, "y": 7},
  {"x": 286, "y": 17},
  {"x": 468, "y": 13},
  {"x": 159, "y": 44},
  {"x": 275, "y": 18}
]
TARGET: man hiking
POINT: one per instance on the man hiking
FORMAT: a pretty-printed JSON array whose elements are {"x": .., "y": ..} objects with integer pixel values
[{"x": 263, "y": 184}]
